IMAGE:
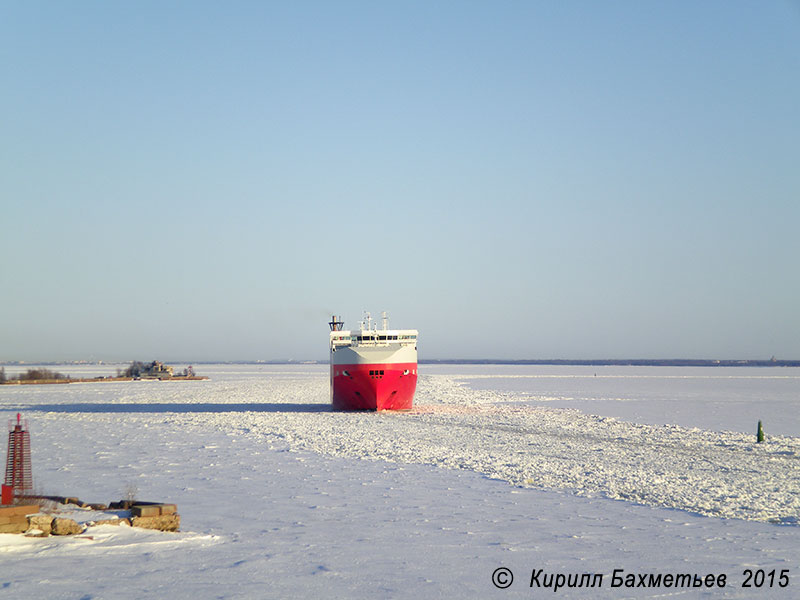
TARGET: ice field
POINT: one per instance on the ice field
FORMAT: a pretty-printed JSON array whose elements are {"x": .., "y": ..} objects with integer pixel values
[{"x": 567, "y": 470}]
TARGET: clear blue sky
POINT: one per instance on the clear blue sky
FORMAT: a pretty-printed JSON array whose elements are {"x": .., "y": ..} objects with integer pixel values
[{"x": 209, "y": 180}]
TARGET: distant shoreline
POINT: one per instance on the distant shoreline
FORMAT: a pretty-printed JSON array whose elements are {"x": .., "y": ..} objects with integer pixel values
[
  {"x": 605, "y": 362},
  {"x": 613, "y": 362},
  {"x": 99, "y": 380}
]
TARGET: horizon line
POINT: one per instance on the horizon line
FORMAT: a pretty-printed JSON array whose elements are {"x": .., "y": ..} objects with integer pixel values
[{"x": 463, "y": 361}]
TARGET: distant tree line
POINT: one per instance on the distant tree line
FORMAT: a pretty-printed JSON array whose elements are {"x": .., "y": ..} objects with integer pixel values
[
  {"x": 38, "y": 374},
  {"x": 136, "y": 369},
  {"x": 152, "y": 369}
]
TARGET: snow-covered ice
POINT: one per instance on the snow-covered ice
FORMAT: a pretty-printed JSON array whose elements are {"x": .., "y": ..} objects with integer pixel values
[{"x": 281, "y": 497}]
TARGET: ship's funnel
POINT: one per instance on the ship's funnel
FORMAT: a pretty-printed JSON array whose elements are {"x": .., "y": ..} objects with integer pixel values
[{"x": 336, "y": 323}]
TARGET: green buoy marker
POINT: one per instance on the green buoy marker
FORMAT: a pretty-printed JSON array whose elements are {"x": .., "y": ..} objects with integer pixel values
[{"x": 760, "y": 434}]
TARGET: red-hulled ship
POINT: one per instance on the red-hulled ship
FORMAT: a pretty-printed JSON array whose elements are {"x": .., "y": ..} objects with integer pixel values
[{"x": 371, "y": 368}]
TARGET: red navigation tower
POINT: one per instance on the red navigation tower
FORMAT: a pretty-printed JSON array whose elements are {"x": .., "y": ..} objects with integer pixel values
[{"x": 18, "y": 463}]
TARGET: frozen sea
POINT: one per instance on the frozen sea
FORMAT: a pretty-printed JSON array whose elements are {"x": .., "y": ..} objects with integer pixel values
[{"x": 543, "y": 471}]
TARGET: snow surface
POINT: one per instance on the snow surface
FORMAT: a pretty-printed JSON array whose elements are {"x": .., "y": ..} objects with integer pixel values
[
  {"x": 281, "y": 497},
  {"x": 732, "y": 399}
]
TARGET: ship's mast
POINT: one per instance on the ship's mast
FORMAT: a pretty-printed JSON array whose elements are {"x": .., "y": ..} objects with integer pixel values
[
  {"x": 336, "y": 323},
  {"x": 385, "y": 320}
]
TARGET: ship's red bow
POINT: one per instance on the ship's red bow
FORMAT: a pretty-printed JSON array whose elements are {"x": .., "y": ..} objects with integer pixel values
[{"x": 373, "y": 386}]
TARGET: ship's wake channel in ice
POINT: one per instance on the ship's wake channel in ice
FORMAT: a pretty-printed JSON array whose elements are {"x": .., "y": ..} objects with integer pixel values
[{"x": 723, "y": 474}]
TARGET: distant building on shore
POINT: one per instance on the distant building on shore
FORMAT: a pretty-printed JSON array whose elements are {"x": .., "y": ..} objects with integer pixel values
[{"x": 154, "y": 369}]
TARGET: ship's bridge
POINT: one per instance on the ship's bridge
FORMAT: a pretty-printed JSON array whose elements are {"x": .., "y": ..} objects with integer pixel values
[{"x": 363, "y": 337}]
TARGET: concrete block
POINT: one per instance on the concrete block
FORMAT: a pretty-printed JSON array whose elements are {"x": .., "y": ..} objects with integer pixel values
[
  {"x": 43, "y": 523},
  {"x": 153, "y": 509},
  {"x": 64, "y": 526},
  {"x": 169, "y": 509},
  {"x": 146, "y": 510},
  {"x": 161, "y": 522}
]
